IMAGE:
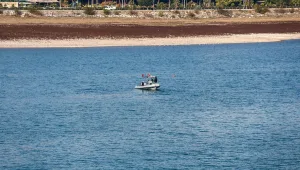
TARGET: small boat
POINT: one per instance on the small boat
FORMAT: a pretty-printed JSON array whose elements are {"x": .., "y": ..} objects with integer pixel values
[{"x": 150, "y": 84}]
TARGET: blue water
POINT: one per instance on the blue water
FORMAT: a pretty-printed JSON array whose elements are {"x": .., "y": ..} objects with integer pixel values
[{"x": 230, "y": 106}]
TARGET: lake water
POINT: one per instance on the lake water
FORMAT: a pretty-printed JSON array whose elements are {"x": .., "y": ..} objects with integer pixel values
[{"x": 230, "y": 106}]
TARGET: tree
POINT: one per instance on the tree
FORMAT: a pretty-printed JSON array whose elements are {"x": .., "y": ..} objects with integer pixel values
[
  {"x": 295, "y": 2},
  {"x": 247, "y": 3},
  {"x": 161, "y": 5},
  {"x": 184, "y": 3},
  {"x": 279, "y": 3},
  {"x": 227, "y": 3},
  {"x": 191, "y": 5},
  {"x": 207, "y": 3},
  {"x": 131, "y": 3},
  {"x": 144, "y": 2},
  {"x": 176, "y": 4}
]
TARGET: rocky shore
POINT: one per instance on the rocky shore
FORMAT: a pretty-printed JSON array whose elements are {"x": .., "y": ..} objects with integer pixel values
[{"x": 164, "y": 14}]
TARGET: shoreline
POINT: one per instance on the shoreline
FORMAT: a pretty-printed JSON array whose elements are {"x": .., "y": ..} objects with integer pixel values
[{"x": 189, "y": 40}]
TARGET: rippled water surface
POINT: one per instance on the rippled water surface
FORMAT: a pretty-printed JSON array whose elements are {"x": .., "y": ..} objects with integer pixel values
[{"x": 220, "y": 106}]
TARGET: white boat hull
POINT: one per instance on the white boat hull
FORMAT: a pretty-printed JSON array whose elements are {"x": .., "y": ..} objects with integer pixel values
[{"x": 148, "y": 87}]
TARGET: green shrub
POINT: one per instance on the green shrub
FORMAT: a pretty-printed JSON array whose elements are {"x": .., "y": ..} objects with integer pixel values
[
  {"x": 117, "y": 12},
  {"x": 106, "y": 12},
  {"x": 161, "y": 5},
  {"x": 147, "y": 15},
  {"x": 132, "y": 12},
  {"x": 197, "y": 11},
  {"x": 161, "y": 14},
  {"x": 89, "y": 11},
  {"x": 176, "y": 12},
  {"x": 34, "y": 11},
  {"x": 191, "y": 15},
  {"x": 223, "y": 12},
  {"x": 26, "y": 15},
  {"x": 261, "y": 9},
  {"x": 17, "y": 12},
  {"x": 280, "y": 10}
]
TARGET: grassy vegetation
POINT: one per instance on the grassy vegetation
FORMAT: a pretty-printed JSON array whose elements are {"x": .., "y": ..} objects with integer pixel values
[
  {"x": 89, "y": 11},
  {"x": 223, "y": 12},
  {"x": 261, "y": 9},
  {"x": 176, "y": 12},
  {"x": 35, "y": 11},
  {"x": 133, "y": 13},
  {"x": 191, "y": 15},
  {"x": 147, "y": 15},
  {"x": 280, "y": 10},
  {"x": 197, "y": 11},
  {"x": 106, "y": 12},
  {"x": 117, "y": 12},
  {"x": 17, "y": 12},
  {"x": 161, "y": 14}
]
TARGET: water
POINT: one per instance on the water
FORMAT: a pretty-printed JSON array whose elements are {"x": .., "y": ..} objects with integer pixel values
[{"x": 219, "y": 107}]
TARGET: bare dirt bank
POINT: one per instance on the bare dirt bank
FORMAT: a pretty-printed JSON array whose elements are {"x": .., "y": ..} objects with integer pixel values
[{"x": 100, "y": 31}]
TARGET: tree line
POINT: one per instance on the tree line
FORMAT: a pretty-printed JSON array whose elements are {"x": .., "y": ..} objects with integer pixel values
[
  {"x": 183, "y": 4},
  {"x": 170, "y": 4}
]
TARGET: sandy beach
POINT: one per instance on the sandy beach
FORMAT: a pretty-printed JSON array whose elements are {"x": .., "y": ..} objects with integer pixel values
[{"x": 236, "y": 38}]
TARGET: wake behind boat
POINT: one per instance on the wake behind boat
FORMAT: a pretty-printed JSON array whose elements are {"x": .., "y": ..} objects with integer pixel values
[{"x": 150, "y": 84}]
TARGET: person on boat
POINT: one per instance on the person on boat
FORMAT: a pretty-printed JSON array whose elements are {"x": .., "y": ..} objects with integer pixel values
[{"x": 155, "y": 79}]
